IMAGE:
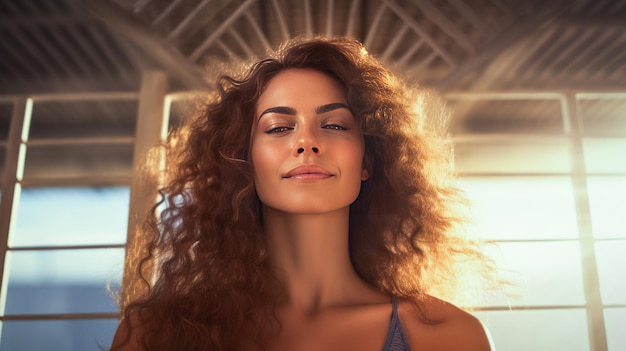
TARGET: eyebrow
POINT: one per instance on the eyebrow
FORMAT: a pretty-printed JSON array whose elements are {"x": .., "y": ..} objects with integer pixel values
[
  {"x": 285, "y": 110},
  {"x": 330, "y": 107}
]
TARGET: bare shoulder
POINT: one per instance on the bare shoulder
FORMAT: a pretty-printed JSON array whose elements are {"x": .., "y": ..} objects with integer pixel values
[{"x": 434, "y": 325}]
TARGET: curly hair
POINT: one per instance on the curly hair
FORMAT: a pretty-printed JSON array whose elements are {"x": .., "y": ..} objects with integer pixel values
[{"x": 213, "y": 283}]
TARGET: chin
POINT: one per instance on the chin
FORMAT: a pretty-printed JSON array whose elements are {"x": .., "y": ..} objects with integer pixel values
[{"x": 308, "y": 208}]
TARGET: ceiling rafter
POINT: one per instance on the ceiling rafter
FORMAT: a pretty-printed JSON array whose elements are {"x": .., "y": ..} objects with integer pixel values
[
  {"x": 80, "y": 62},
  {"x": 184, "y": 24},
  {"x": 402, "y": 61},
  {"x": 200, "y": 49},
  {"x": 513, "y": 35},
  {"x": 422, "y": 33},
  {"x": 284, "y": 30},
  {"x": 373, "y": 29},
  {"x": 124, "y": 24},
  {"x": 308, "y": 18},
  {"x": 330, "y": 14},
  {"x": 54, "y": 53},
  {"x": 242, "y": 43},
  {"x": 432, "y": 13},
  {"x": 90, "y": 51},
  {"x": 35, "y": 53},
  {"x": 393, "y": 44},
  {"x": 166, "y": 12},
  {"x": 470, "y": 14},
  {"x": 259, "y": 32},
  {"x": 350, "y": 27}
]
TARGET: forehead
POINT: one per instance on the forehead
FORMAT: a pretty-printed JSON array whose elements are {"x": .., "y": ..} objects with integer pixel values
[{"x": 301, "y": 87}]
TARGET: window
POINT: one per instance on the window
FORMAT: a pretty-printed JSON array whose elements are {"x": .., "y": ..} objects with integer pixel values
[
  {"x": 550, "y": 194},
  {"x": 68, "y": 201}
]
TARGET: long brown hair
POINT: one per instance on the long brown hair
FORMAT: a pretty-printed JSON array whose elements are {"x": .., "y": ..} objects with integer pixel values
[{"x": 213, "y": 283}]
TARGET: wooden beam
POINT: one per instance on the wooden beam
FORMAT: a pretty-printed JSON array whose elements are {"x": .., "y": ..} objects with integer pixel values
[
  {"x": 166, "y": 12},
  {"x": 77, "y": 141},
  {"x": 257, "y": 29},
  {"x": 438, "y": 18},
  {"x": 330, "y": 15},
  {"x": 150, "y": 132},
  {"x": 308, "y": 18},
  {"x": 373, "y": 27},
  {"x": 242, "y": 43},
  {"x": 393, "y": 44},
  {"x": 421, "y": 32},
  {"x": 84, "y": 96},
  {"x": 35, "y": 52},
  {"x": 591, "y": 280},
  {"x": 130, "y": 29},
  {"x": 410, "y": 52},
  {"x": 469, "y": 14},
  {"x": 516, "y": 32},
  {"x": 352, "y": 17},
  {"x": 60, "y": 36},
  {"x": 53, "y": 51},
  {"x": 184, "y": 24},
  {"x": 200, "y": 49},
  {"x": 284, "y": 31}
]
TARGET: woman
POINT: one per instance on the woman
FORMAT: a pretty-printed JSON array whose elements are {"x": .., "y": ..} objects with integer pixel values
[{"x": 307, "y": 207}]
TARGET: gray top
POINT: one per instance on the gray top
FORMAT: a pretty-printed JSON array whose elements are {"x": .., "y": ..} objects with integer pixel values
[{"x": 396, "y": 340}]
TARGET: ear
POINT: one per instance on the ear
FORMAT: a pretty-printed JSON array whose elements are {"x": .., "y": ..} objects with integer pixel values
[
  {"x": 365, "y": 174},
  {"x": 367, "y": 167}
]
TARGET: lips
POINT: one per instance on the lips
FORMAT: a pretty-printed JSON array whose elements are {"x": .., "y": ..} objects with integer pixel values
[{"x": 308, "y": 172}]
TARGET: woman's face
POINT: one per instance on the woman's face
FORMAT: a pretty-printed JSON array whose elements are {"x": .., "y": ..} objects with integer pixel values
[{"x": 307, "y": 149}]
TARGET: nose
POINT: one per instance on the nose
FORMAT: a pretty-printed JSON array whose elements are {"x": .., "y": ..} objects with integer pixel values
[{"x": 307, "y": 142}]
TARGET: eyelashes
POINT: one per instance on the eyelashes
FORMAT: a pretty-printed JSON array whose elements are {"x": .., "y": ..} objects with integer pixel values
[
  {"x": 278, "y": 130},
  {"x": 334, "y": 127},
  {"x": 283, "y": 129}
]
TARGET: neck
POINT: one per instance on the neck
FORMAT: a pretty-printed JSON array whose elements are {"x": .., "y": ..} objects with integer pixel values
[{"x": 311, "y": 256}]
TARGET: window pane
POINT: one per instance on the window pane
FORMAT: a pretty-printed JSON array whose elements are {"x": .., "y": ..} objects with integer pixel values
[
  {"x": 181, "y": 108},
  {"x": 550, "y": 155},
  {"x": 607, "y": 205},
  {"x": 63, "y": 161},
  {"x": 66, "y": 335},
  {"x": 612, "y": 271},
  {"x": 542, "y": 330},
  {"x": 59, "y": 119},
  {"x": 63, "y": 281},
  {"x": 507, "y": 116},
  {"x": 614, "y": 322},
  {"x": 605, "y": 155},
  {"x": 603, "y": 116},
  {"x": 521, "y": 207},
  {"x": 543, "y": 274},
  {"x": 71, "y": 216}
]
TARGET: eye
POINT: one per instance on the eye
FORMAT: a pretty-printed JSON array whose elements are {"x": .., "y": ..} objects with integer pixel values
[
  {"x": 334, "y": 127},
  {"x": 278, "y": 130}
]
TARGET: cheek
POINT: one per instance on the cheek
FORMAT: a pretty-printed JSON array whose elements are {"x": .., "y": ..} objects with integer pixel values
[
  {"x": 354, "y": 155},
  {"x": 265, "y": 162}
]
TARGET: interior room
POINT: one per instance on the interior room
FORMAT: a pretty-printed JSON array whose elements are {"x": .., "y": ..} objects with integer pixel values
[{"x": 536, "y": 92}]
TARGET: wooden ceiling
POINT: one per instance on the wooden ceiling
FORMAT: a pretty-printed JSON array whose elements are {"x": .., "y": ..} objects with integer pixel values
[{"x": 65, "y": 45}]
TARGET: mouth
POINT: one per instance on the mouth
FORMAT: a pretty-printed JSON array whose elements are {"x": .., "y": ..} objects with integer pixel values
[{"x": 310, "y": 172}]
